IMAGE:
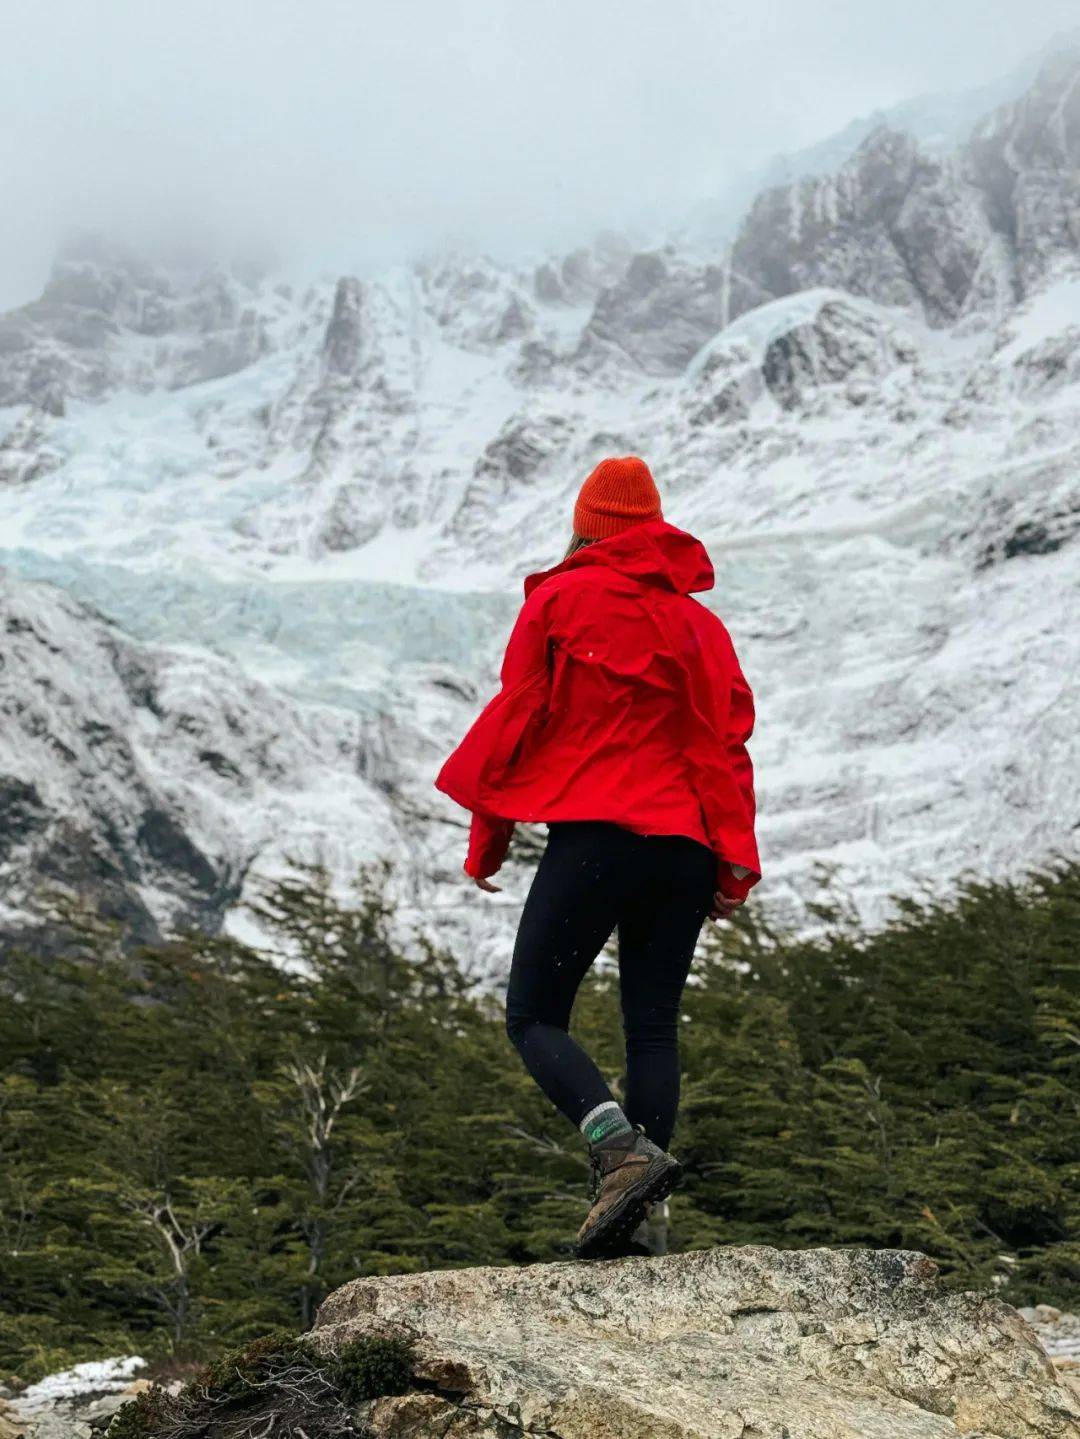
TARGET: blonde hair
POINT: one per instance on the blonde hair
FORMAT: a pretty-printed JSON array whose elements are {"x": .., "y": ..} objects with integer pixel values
[{"x": 577, "y": 542}]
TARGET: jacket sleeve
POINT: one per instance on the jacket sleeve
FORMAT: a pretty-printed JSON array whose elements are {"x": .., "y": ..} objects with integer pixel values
[
  {"x": 720, "y": 718},
  {"x": 736, "y": 880},
  {"x": 525, "y": 659},
  {"x": 489, "y": 839}
]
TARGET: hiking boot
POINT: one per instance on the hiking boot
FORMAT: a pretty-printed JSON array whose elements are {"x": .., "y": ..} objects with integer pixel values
[
  {"x": 649, "y": 1238},
  {"x": 629, "y": 1171}
]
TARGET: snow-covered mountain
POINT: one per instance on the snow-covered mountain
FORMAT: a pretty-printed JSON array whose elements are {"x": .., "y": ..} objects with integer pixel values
[
  {"x": 938, "y": 122},
  {"x": 263, "y": 541}
]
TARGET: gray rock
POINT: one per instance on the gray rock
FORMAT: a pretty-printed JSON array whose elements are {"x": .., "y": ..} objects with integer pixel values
[
  {"x": 343, "y": 345},
  {"x": 1026, "y": 158},
  {"x": 839, "y": 354},
  {"x": 519, "y": 450},
  {"x": 657, "y": 316},
  {"x": 721, "y": 1344},
  {"x": 893, "y": 225},
  {"x": 1059, "y": 1334},
  {"x": 350, "y": 520},
  {"x": 577, "y": 274},
  {"x": 514, "y": 322},
  {"x": 840, "y": 344},
  {"x": 220, "y": 353},
  {"x": 58, "y": 1423},
  {"x": 534, "y": 365},
  {"x": 515, "y": 460},
  {"x": 731, "y": 401},
  {"x": 25, "y": 452},
  {"x": 547, "y": 285}
]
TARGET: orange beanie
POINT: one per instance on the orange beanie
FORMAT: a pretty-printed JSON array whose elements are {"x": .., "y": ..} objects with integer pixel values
[{"x": 619, "y": 493}]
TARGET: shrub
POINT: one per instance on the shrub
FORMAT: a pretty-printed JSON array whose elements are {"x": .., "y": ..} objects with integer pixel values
[
  {"x": 141, "y": 1417},
  {"x": 372, "y": 1367}
]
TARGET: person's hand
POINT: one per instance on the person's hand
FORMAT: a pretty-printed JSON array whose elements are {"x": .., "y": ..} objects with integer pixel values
[
  {"x": 722, "y": 907},
  {"x": 487, "y": 886}
]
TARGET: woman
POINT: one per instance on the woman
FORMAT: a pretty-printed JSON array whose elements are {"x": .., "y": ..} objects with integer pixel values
[{"x": 622, "y": 723}]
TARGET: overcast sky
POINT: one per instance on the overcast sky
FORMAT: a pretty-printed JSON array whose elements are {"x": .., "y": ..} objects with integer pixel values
[{"x": 338, "y": 131}]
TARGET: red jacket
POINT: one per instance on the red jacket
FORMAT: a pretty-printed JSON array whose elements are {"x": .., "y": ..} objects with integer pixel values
[{"x": 622, "y": 699}]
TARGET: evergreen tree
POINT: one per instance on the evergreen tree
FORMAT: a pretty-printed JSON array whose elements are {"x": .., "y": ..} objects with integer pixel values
[{"x": 198, "y": 1140}]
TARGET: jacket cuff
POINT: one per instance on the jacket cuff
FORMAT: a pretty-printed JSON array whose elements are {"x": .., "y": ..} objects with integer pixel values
[
  {"x": 489, "y": 839},
  {"x": 733, "y": 886}
]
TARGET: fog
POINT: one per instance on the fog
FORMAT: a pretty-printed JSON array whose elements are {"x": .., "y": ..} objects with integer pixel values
[{"x": 330, "y": 133}]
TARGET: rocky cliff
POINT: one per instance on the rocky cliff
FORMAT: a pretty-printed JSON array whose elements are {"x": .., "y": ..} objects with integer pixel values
[
  {"x": 725, "y": 1344},
  {"x": 951, "y": 235}
]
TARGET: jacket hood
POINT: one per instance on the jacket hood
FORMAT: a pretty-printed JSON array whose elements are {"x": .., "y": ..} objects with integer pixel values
[{"x": 654, "y": 553}]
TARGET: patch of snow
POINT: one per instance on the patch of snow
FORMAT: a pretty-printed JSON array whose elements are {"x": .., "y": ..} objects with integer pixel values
[
  {"x": 1052, "y": 311},
  {"x": 108, "y": 1376}
]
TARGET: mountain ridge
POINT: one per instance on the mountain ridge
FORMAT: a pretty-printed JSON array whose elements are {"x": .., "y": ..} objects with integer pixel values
[{"x": 866, "y": 406}]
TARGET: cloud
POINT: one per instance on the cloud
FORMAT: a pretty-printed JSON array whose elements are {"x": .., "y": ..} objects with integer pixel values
[{"x": 349, "y": 132}]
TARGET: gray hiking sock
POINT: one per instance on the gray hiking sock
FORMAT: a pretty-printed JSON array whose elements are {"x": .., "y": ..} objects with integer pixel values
[{"x": 605, "y": 1121}]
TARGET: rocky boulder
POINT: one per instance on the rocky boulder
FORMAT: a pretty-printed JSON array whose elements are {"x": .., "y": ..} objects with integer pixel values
[
  {"x": 750, "y": 1343},
  {"x": 841, "y": 344}
]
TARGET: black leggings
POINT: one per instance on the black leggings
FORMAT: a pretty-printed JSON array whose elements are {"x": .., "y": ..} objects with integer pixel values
[{"x": 594, "y": 876}]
